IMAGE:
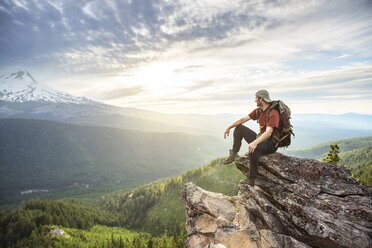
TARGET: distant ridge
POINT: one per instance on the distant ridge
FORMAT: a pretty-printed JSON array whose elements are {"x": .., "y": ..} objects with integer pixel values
[
  {"x": 21, "y": 96},
  {"x": 319, "y": 151}
]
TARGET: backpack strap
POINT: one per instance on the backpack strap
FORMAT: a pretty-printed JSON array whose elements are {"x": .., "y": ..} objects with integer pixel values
[
  {"x": 282, "y": 138},
  {"x": 267, "y": 115},
  {"x": 258, "y": 111},
  {"x": 273, "y": 106}
]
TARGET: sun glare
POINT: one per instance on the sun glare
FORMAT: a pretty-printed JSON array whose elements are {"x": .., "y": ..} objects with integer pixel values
[{"x": 159, "y": 75}]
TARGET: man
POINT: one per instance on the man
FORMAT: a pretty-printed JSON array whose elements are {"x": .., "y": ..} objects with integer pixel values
[{"x": 258, "y": 145}]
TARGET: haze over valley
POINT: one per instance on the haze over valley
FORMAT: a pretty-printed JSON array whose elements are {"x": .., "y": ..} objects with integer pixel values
[{"x": 52, "y": 141}]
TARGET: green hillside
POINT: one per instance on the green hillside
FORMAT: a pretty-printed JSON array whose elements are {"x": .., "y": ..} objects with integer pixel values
[
  {"x": 154, "y": 212},
  {"x": 70, "y": 160},
  {"x": 320, "y": 151},
  {"x": 160, "y": 204},
  {"x": 151, "y": 215},
  {"x": 359, "y": 162}
]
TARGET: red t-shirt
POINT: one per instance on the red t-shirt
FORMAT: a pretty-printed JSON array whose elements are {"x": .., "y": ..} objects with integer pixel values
[{"x": 273, "y": 119}]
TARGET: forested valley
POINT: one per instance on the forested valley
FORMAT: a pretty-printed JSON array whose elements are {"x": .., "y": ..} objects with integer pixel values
[{"x": 151, "y": 215}]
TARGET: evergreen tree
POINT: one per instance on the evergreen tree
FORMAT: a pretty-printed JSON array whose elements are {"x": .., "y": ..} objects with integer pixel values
[
  {"x": 150, "y": 243},
  {"x": 332, "y": 155},
  {"x": 121, "y": 243}
]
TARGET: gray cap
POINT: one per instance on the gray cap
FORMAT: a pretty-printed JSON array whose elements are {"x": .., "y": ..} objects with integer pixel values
[{"x": 264, "y": 94}]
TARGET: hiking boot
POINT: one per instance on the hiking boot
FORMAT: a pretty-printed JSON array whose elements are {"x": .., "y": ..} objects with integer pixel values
[{"x": 231, "y": 157}]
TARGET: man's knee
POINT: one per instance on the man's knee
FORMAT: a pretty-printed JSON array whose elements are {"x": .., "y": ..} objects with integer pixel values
[{"x": 238, "y": 128}]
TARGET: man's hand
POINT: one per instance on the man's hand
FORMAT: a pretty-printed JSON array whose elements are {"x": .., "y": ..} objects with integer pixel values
[
  {"x": 252, "y": 146},
  {"x": 226, "y": 133}
]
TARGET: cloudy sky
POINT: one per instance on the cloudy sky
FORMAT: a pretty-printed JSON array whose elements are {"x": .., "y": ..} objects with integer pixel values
[{"x": 187, "y": 56}]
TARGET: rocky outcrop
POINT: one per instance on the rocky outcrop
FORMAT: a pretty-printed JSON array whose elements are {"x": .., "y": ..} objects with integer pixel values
[
  {"x": 294, "y": 203},
  {"x": 57, "y": 232}
]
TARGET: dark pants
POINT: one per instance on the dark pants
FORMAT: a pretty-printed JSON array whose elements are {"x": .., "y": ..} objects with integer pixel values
[{"x": 264, "y": 147}]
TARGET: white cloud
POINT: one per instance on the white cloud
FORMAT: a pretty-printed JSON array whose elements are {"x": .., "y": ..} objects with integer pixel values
[
  {"x": 189, "y": 53},
  {"x": 88, "y": 9},
  {"x": 21, "y": 3},
  {"x": 344, "y": 55},
  {"x": 305, "y": 91}
]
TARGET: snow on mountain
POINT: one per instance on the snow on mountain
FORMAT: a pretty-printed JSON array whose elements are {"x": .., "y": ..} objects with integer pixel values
[{"x": 22, "y": 87}]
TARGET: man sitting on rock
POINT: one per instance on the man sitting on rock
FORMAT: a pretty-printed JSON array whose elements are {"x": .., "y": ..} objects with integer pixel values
[{"x": 258, "y": 144}]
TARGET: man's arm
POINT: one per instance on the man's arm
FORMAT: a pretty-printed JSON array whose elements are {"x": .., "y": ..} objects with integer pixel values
[
  {"x": 252, "y": 146},
  {"x": 236, "y": 123}
]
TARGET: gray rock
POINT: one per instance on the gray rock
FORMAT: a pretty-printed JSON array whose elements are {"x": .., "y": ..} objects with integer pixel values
[
  {"x": 295, "y": 203},
  {"x": 57, "y": 232}
]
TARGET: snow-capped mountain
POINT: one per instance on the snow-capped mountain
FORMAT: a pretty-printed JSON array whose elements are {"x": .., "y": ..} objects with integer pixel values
[{"x": 22, "y": 87}]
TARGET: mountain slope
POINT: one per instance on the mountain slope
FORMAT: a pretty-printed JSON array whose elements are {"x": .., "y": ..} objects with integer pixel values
[
  {"x": 22, "y": 87},
  {"x": 43, "y": 155},
  {"x": 329, "y": 121},
  {"x": 155, "y": 207},
  {"x": 21, "y": 96},
  {"x": 158, "y": 206},
  {"x": 92, "y": 115},
  {"x": 320, "y": 151},
  {"x": 359, "y": 162}
]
